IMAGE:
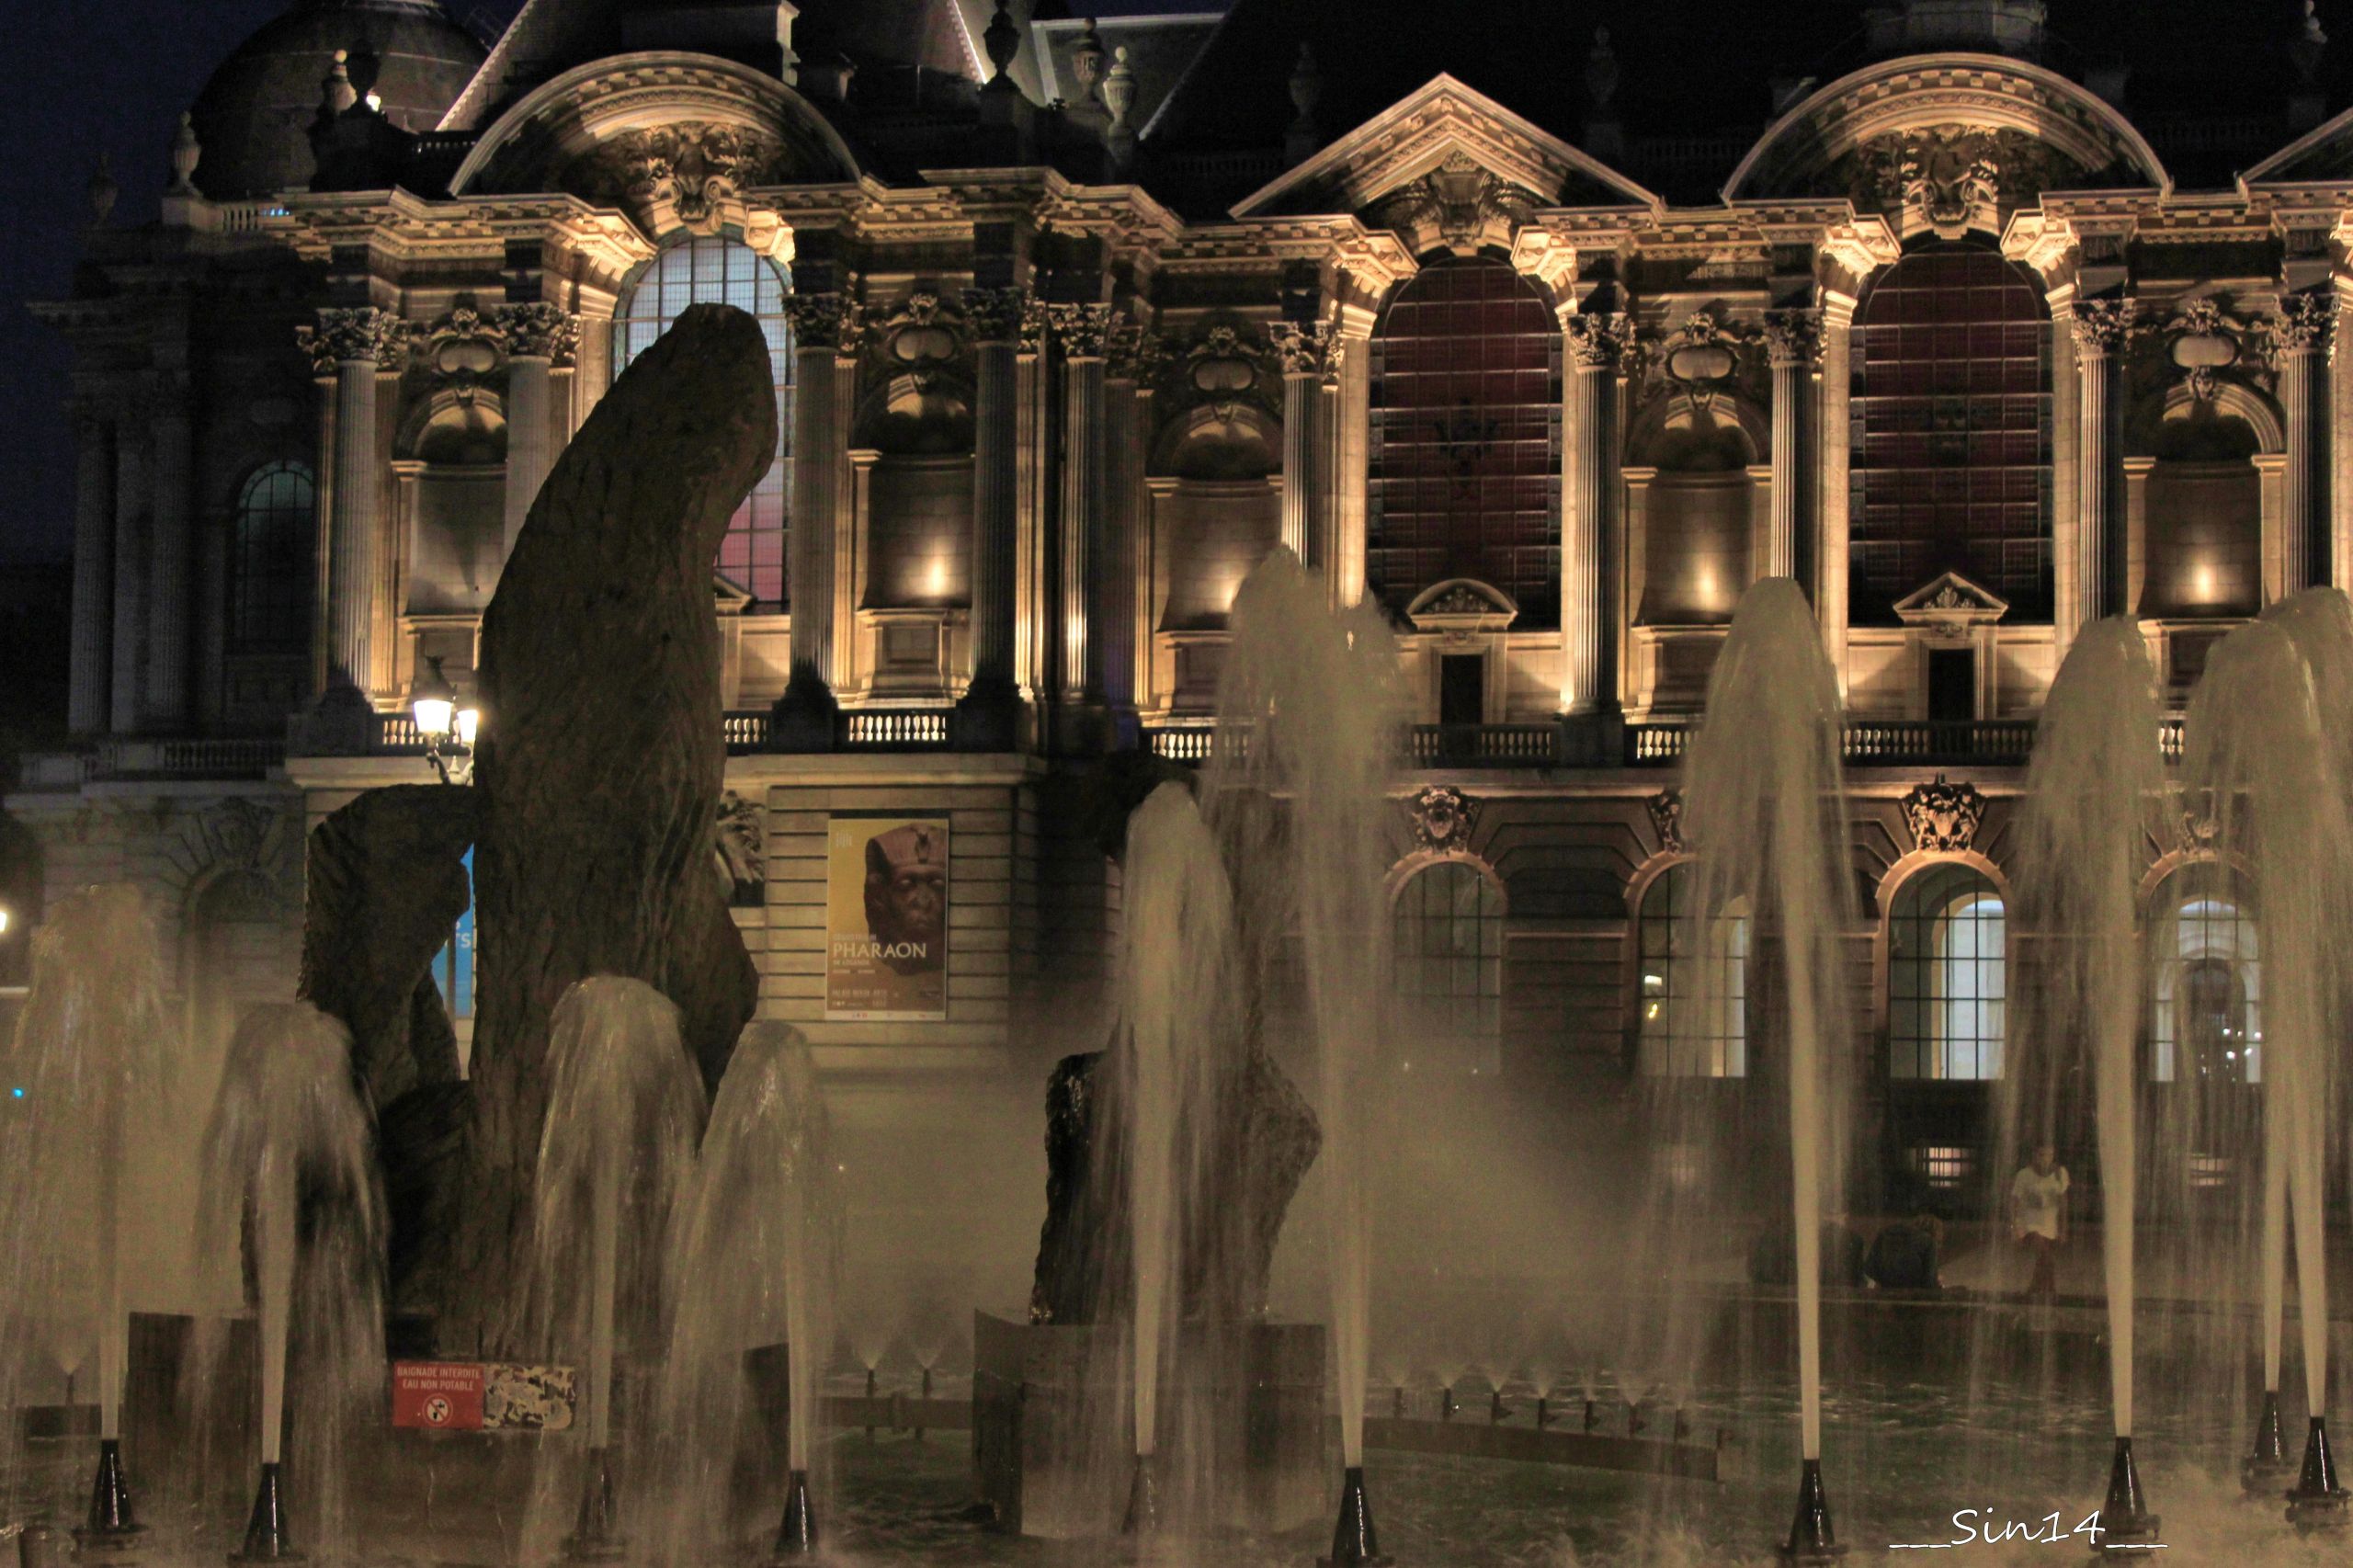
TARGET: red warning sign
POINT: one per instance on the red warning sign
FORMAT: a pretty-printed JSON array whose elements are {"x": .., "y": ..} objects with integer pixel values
[{"x": 437, "y": 1395}]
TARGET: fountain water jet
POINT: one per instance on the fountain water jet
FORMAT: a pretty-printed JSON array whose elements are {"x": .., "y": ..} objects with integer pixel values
[
  {"x": 2260, "y": 761},
  {"x": 2092, "y": 784},
  {"x": 93, "y": 1053},
  {"x": 755, "y": 1264},
  {"x": 1309, "y": 711},
  {"x": 624, "y": 1108},
  {"x": 1764, "y": 815},
  {"x": 291, "y": 1192}
]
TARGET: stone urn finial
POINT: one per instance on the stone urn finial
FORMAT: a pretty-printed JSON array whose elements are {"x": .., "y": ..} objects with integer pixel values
[
  {"x": 1306, "y": 84},
  {"x": 1086, "y": 57},
  {"x": 338, "y": 93},
  {"x": 1601, "y": 72},
  {"x": 1003, "y": 40},
  {"x": 1119, "y": 96},
  {"x": 186, "y": 152}
]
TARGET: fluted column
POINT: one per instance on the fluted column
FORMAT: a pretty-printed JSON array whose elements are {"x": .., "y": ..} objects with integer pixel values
[
  {"x": 1306, "y": 356},
  {"x": 825, "y": 326},
  {"x": 1080, "y": 330},
  {"x": 2101, "y": 328},
  {"x": 93, "y": 646},
  {"x": 1112, "y": 613},
  {"x": 2300, "y": 336},
  {"x": 2340, "y": 448},
  {"x": 538, "y": 337},
  {"x": 133, "y": 515},
  {"x": 169, "y": 594},
  {"x": 1793, "y": 348},
  {"x": 352, "y": 341},
  {"x": 1594, "y": 346},
  {"x": 986, "y": 713},
  {"x": 1351, "y": 409}
]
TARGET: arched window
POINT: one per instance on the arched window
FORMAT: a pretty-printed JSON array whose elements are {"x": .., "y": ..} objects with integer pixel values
[
  {"x": 273, "y": 559},
  {"x": 1951, "y": 434},
  {"x": 1466, "y": 442},
  {"x": 2206, "y": 980},
  {"x": 1448, "y": 952},
  {"x": 1947, "y": 980},
  {"x": 1693, "y": 985},
  {"x": 722, "y": 271}
]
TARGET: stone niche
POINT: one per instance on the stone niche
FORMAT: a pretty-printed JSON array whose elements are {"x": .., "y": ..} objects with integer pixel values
[{"x": 1242, "y": 1408}]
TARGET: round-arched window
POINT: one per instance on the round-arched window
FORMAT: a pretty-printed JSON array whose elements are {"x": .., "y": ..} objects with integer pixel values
[
  {"x": 1948, "y": 977},
  {"x": 1691, "y": 986},
  {"x": 273, "y": 560},
  {"x": 2206, "y": 984},
  {"x": 716, "y": 270},
  {"x": 1448, "y": 953}
]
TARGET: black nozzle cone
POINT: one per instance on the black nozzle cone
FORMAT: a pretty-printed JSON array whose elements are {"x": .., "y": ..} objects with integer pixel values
[
  {"x": 1142, "y": 1517},
  {"x": 2316, "y": 1502},
  {"x": 2265, "y": 1472},
  {"x": 111, "y": 1520},
  {"x": 797, "y": 1536},
  {"x": 1810, "y": 1538},
  {"x": 2125, "y": 1521},
  {"x": 596, "y": 1535},
  {"x": 266, "y": 1537},
  {"x": 1352, "y": 1538}
]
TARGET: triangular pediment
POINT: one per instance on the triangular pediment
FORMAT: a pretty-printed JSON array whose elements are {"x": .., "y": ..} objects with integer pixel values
[
  {"x": 2324, "y": 153},
  {"x": 1441, "y": 126},
  {"x": 1951, "y": 599}
]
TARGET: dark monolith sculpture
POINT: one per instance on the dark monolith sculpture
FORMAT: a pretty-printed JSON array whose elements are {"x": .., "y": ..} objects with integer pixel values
[{"x": 598, "y": 775}]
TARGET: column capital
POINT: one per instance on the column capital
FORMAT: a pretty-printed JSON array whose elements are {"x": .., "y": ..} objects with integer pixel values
[
  {"x": 995, "y": 314},
  {"x": 538, "y": 330},
  {"x": 359, "y": 334},
  {"x": 1307, "y": 350},
  {"x": 1793, "y": 337},
  {"x": 2102, "y": 327},
  {"x": 1082, "y": 330},
  {"x": 2302, "y": 325},
  {"x": 830, "y": 320},
  {"x": 1597, "y": 342}
]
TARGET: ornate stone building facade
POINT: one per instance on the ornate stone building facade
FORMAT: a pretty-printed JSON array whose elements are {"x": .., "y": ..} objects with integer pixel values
[{"x": 1978, "y": 334}]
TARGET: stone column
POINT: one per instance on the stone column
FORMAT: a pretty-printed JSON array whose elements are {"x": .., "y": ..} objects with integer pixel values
[
  {"x": 1351, "y": 411},
  {"x": 822, "y": 323},
  {"x": 169, "y": 590},
  {"x": 352, "y": 341},
  {"x": 133, "y": 516},
  {"x": 1832, "y": 473},
  {"x": 2340, "y": 450},
  {"x": 2101, "y": 328},
  {"x": 538, "y": 337},
  {"x": 988, "y": 713},
  {"x": 1112, "y": 612},
  {"x": 1793, "y": 348},
  {"x": 1594, "y": 346},
  {"x": 93, "y": 646},
  {"x": 1306, "y": 356},
  {"x": 1080, "y": 330},
  {"x": 2299, "y": 335}
]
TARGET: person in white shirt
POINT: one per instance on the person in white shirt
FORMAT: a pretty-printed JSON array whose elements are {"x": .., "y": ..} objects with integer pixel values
[{"x": 2037, "y": 1201}]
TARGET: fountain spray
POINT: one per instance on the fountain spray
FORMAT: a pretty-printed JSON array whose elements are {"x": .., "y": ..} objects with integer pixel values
[
  {"x": 291, "y": 1190},
  {"x": 1764, "y": 815},
  {"x": 2092, "y": 788},
  {"x": 1309, "y": 712},
  {"x": 94, "y": 1055},
  {"x": 755, "y": 1262},
  {"x": 624, "y": 1108},
  {"x": 2260, "y": 761}
]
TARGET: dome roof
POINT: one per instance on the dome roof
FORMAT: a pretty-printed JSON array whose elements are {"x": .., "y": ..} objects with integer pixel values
[{"x": 254, "y": 117}]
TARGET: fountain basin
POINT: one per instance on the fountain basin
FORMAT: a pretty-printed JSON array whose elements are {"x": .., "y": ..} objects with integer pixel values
[{"x": 1047, "y": 1399}]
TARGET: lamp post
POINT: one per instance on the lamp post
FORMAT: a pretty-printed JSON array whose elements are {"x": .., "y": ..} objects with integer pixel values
[{"x": 447, "y": 727}]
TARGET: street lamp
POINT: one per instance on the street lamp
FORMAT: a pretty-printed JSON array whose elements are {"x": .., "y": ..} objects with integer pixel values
[{"x": 447, "y": 728}]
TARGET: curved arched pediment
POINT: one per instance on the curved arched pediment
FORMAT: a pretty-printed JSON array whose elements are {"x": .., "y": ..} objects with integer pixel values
[
  {"x": 1461, "y": 604},
  {"x": 667, "y": 136},
  {"x": 1950, "y": 141}
]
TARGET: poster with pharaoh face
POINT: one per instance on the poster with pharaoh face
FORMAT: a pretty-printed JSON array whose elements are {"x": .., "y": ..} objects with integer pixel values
[{"x": 886, "y": 919}]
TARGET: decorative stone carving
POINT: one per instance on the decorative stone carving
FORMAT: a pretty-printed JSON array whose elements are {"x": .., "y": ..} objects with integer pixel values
[
  {"x": 1082, "y": 330},
  {"x": 1700, "y": 358},
  {"x": 2207, "y": 340},
  {"x": 997, "y": 315},
  {"x": 1944, "y": 817},
  {"x": 1793, "y": 337},
  {"x": 1460, "y": 205},
  {"x": 2104, "y": 326},
  {"x": 919, "y": 335},
  {"x": 1601, "y": 340},
  {"x": 539, "y": 331},
  {"x": 1952, "y": 178},
  {"x": 1444, "y": 819},
  {"x": 739, "y": 849},
  {"x": 1952, "y": 603},
  {"x": 352, "y": 335},
  {"x": 826, "y": 320},
  {"x": 1666, "y": 819},
  {"x": 1307, "y": 350},
  {"x": 2302, "y": 325},
  {"x": 1223, "y": 368},
  {"x": 1034, "y": 326},
  {"x": 689, "y": 169},
  {"x": 1131, "y": 353},
  {"x": 459, "y": 349}
]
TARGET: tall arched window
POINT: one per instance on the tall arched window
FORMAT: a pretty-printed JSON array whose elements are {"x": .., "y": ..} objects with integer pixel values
[
  {"x": 713, "y": 271},
  {"x": 1693, "y": 985},
  {"x": 1466, "y": 439},
  {"x": 2206, "y": 984},
  {"x": 1448, "y": 952},
  {"x": 1951, "y": 434},
  {"x": 273, "y": 560},
  {"x": 1948, "y": 979}
]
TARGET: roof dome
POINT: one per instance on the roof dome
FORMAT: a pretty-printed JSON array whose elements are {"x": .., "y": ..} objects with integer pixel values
[{"x": 254, "y": 117}]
